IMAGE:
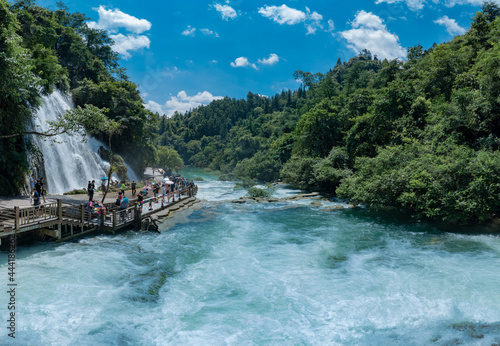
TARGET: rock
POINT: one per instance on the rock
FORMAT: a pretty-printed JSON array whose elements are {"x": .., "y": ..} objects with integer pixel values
[
  {"x": 316, "y": 203},
  {"x": 239, "y": 201}
]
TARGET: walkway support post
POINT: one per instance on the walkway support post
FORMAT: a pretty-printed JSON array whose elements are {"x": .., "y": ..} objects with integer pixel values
[
  {"x": 137, "y": 217},
  {"x": 114, "y": 220},
  {"x": 16, "y": 218},
  {"x": 59, "y": 217}
]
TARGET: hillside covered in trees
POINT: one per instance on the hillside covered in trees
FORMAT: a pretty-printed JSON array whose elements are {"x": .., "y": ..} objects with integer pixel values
[
  {"x": 420, "y": 135},
  {"x": 40, "y": 50}
]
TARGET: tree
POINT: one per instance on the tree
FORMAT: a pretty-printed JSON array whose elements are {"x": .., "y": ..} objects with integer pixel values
[
  {"x": 75, "y": 120},
  {"x": 168, "y": 158},
  {"x": 111, "y": 128}
]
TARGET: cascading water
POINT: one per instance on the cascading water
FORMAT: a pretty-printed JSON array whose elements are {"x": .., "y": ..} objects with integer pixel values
[{"x": 69, "y": 162}]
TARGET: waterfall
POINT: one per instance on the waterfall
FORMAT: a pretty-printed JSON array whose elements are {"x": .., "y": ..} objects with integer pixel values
[{"x": 69, "y": 163}]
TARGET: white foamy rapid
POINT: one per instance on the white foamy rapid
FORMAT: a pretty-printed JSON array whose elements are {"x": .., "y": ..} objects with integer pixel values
[
  {"x": 263, "y": 273},
  {"x": 70, "y": 163}
]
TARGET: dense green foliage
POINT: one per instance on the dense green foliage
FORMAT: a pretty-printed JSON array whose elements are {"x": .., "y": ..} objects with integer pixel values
[
  {"x": 421, "y": 135},
  {"x": 40, "y": 50}
]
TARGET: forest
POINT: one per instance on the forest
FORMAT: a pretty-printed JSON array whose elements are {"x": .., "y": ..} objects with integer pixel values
[
  {"x": 419, "y": 134},
  {"x": 41, "y": 50}
]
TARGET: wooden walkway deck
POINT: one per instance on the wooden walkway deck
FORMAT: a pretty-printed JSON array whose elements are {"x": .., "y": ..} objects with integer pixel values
[{"x": 64, "y": 221}]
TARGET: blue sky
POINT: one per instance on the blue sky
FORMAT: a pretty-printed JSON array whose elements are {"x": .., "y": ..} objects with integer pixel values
[{"x": 183, "y": 54}]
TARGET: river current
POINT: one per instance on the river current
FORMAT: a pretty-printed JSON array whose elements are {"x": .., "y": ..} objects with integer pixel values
[{"x": 283, "y": 273}]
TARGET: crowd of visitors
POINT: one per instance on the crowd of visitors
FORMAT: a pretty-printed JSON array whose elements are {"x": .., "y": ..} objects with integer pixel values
[{"x": 165, "y": 191}]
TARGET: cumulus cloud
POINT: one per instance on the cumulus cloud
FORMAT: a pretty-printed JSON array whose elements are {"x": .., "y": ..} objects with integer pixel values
[
  {"x": 369, "y": 32},
  {"x": 273, "y": 59},
  {"x": 209, "y": 32},
  {"x": 189, "y": 31},
  {"x": 114, "y": 19},
  {"x": 283, "y": 14},
  {"x": 125, "y": 43},
  {"x": 314, "y": 22},
  {"x": 243, "y": 62},
  {"x": 111, "y": 20},
  {"x": 155, "y": 107},
  {"x": 182, "y": 103},
  {"x": 291, "y": 16},
  {"x": 451, "y": 3},
  {"x": 451, "y": 25},
  {"x": 413, "y": 5},
  {"x": 192, "y": 31},
  {"x": 226, "y": 11}
]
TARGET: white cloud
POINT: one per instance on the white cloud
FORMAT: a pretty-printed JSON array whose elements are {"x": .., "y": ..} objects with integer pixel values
[
  {"x": 369, "y": 32},
  {"x": 124, "y": 44},
  {"x": 273, "y": 59},
  {"x": 189, "y": 31},
  {"x": 451, "y": 3},
  {"x": 209, "y": 32},
  {"x": 451, "y": 25},
  {"x": 111, "y": 20},
  {"x": 291, "y": 16},
  {"x": 283, "y": 14},
  {"x": 314, "y": 22},
  {"x": 243, "y": 62},
  {"x": 226, "y": 11},
  {"x": 413, "y": 5},
  {"x": 368, "y": 20},
  {"x": 154, "y": 107},
  {"x": 182, "y": 102},
  {"x": 331, "y": 25}
]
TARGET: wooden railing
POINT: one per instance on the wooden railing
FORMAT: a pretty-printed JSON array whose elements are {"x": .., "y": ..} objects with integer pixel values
[{"x": 14, "y": 219}]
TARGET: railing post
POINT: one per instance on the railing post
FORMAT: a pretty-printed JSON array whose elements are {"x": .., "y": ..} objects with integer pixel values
[
  {"x": 137, "y": 217},
  {"x": 82, "y": 213},
  {"x": 16, "y": 218},
  {"x": 59, "y": 209},
  {"x": 114, "y": 220}
]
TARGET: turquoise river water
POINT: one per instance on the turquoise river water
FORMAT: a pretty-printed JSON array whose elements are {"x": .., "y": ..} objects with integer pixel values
[{"x": 284, "y": 273}]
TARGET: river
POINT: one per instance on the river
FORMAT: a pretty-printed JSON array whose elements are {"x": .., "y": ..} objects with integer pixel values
[{"x": 284, "y": 273}]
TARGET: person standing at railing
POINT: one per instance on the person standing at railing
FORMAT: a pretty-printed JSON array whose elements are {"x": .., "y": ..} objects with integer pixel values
[
  {"x": 36, "y": 198},
  {"x": 123, "y": 208},
  {"x": 134, "y": 187},
  {"x": 90, "y": 190},
  {"x": 43, "y": 189},
  {"x": 122, "y": 187}
]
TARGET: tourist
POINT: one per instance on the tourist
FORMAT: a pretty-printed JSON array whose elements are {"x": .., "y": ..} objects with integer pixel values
[
  {"x": 43, "y": 189},
  {"x": 122, "y": 187},
  {"x": 123, "y": 208},
  {"x": 90, "y": 190},
  {"x": 119, "y": 199},
  {"x": 36, "y": 198},
  {"x": 38, "y": 188},
  {"x": 140, "y": 199},
  {"x": 133, "y": 186},
  {"x": 32, "y": 182}
]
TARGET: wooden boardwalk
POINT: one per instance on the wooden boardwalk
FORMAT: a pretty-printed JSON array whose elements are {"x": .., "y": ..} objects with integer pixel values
[{"x": 65, "y": 221}]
